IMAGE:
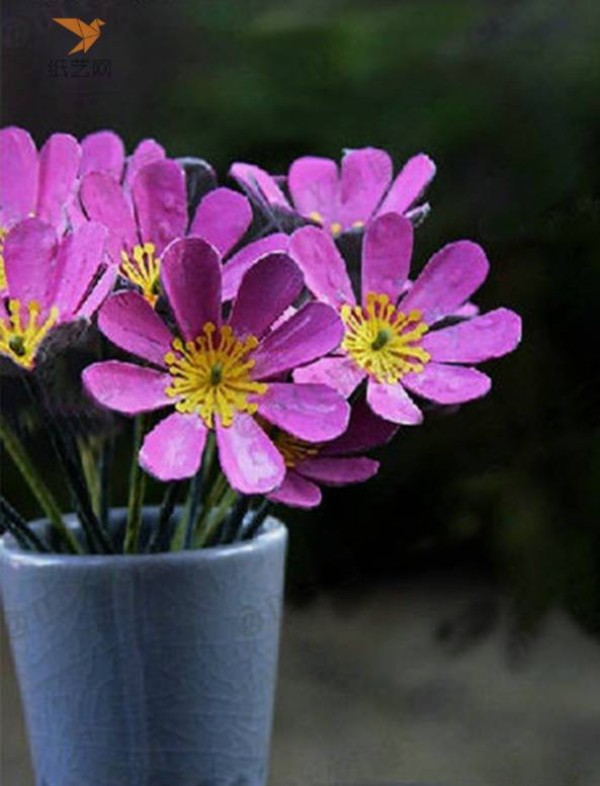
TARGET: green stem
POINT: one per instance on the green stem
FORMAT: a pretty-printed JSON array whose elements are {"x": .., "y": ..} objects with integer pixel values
[
  {"x": 91, "y": 472},
  {"x": 214, "y": 516},
  {"x": 137, "y": 485}
]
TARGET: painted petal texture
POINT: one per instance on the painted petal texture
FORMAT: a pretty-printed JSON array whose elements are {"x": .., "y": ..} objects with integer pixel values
[
  {"x": 408, "y": 186},
  {"x": 314, "y": 186},
  {"x": 222, "y": 218},
  {"x": 365, "y": 431},
  {"x": 310, "y": 412},
  {"x": 127, "y": 388},
  {"x": 103, "y": 200},
  {"x": 160, "y": 202},
  {"x": 387, "y": 251},
  {"x": 58, "y": 166},
  {"x": 393, "y": 403},
  {"x": 102, "y": 151},
  {"x": 191, "y": 277},
  {"x": 129, "y": 321},
  {"x": 147, "y": 152},
  {"x": 250, "y": 461},
  {"x": 488, "y": 336},
  {"x": 297, "y": 492},
  {"x": 338, "y": 471},
  {"x": 101, "y": 290},
  {"x": 448, "y": 384},
  {"x": 237, "y": 265},
  {"x": 339, "y": 372},
  {"x": 30, "y": 251},
  {"x": 173, "y": 449},
  {"x": 259, "y": 183},
  {"x": 18, "y": 175},
  {"x": 80, "y": 256},
  {"x": 366, "y": 175},
  {"x": 323, "y": 266}
]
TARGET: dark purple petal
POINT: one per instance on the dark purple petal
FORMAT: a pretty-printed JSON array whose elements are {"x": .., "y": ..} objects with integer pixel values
[
  {"x": 296, "y": 492},
  {"x": 365, "y": 431},
  {"x": 338, "y": 471},
  {"x": 130, "y": 322},
  {"x": 237, "y": 265}
]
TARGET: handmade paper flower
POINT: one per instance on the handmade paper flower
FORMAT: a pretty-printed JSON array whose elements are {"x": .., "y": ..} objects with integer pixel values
[
  {"x": 398, "y": 342},
  {"x": 104, "y": 151},
  {"x": 341, "y": 200},
  {"x": 335, "y": 463},
  {"x": 50, "y": 281},
  {"x": 218, "y": 375}
]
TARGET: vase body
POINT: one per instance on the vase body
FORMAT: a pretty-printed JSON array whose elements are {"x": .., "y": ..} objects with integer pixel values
[{"x": 154, "y": 670}]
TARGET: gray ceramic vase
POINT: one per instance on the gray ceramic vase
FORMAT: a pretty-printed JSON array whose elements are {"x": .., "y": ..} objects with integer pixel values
[{"x": 153, "y": 670}]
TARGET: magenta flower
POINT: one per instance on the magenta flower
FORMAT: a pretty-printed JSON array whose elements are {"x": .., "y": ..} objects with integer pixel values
[
  {"x": 334, "y": 463},
  {"x": 215, "y": 375},
  {"x": 398, "y": 342},
  {"x": 104, "y": 151},
  {"x": 341, "y": 200},
  {"x": 50, "y": 281}
]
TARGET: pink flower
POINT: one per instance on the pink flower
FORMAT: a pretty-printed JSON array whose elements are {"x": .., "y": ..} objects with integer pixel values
[
  {"x": 217, "y": 375},
  {"x": 334, "y": 463},
  {"x": 396, "y": 339},
  {"x": 341, "y": 200},
  {"x": 50, "y": 281}
]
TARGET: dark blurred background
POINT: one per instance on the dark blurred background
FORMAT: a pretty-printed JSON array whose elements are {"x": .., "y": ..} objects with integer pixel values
[{"x": 499, "y": 502}]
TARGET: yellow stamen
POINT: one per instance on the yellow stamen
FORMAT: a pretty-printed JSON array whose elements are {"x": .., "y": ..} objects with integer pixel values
[
  {"x": 211, "y": 375},
  {"x": 316, "y": 217},
  {"x": 335, "y": 228},
  {"x": 142, "y": 268},
  {"x": 20, "y": 340},
  {"x": 294, "y": 450},
  {"x": 3, "y": 282},
  {"x": 384, "y": 341}
]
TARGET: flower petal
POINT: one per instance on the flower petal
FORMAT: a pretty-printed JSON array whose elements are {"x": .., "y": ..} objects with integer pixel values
[
  {"x": 237, "y": 265},
  {"x": 448, "y": 384},
  {"x": 102, "y": 151},
  {"x": 127, "y": 388},
  {"x": 100, "y": 291},
  {"x": 173, "y": 449},
  {"x": 447, "y": 281},
  {"x": 160, "y": 202},
  {"x": 296, "y": 492},
  {"x": 58, "y": 167},
  {"x": 315, "y": 188},
  {"x": 310, "y": 412},
  {"x": 408, "y": 186},
  {"x": 131, "y": 323},
  {"x": 489, "y": 336},
  {"x": 147, "y": 152},
  {"x": 338, "y": 471},
  {"x": 366, "y": 175},
  {"x": 18, "y": 175},
  {"x": 191, "y": 278},
  {"x": 103, "y": 200},
  {"x": 259, "y": 184},
  {"x": 312, "y": 332},
  {"x": 253, "y": 312},
  {"x": 222, "y": 218},
  {"x": 80, "y": 257},
  {"x": 250, "y": 461},
  {"x": 365, "y": 431},
  {"x": 30, "y": 261},
  {"x": 393, "y": 403},
  {"x": 323, "y": 266},
  {"x": 387, "y": 251},
  {"x": 340, "y": 373}
]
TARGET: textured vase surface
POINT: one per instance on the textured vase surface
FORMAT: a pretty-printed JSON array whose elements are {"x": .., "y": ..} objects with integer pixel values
[{"x": 152, "y": 670}]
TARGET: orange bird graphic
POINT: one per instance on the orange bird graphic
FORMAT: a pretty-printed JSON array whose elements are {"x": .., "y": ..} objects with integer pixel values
[{"x": 89, "y": 34}]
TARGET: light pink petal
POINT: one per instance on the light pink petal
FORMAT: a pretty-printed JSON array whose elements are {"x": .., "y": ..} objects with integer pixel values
[
  {"x": 30, "y": 260},
  {"x": 222, "y": 218},
  {"x": 131, "y": 323},
  {"x": 365, "y": 431},
  {"x": 393, "y": 403},
  {"x": 387, "y": 251},
  {"x": 191, "y": 278},
  {"x": 100, "y": 291},
  {"x": 315, "y": 188},
  {"x": 447, "y": 281},
  {"x": 448, "y": 384},
  {"x": 160, "y": 202},
  {"x": 338, "y": 471},
  {"x": 173, "y": 449},
  {"x": 339, "y": 372},
  {"x": 475, "y": 340},
  {"x": 237, "y": 265},
  {"x": 366, "y": 176},
  {"x": 103, "y": 200},
  {"x": 323, "y": 266},
  {"x": 80, "y": 257},
  {"x": 58, "y": 167},
  {"x": 466, "y": 312},
  {"x": 102, "y": 151},
  {"x": 266, "y": 291},
  {"x": 250, "y": 461},
  {"x": 296, "y": 492},
  {"x": 145, "y": 153},
  {"x": 260, "y": 184},
  {"x": 408, "y": 186},
  {"x": 18, "y": 175},
  {"x": 311, "y": 333},
  {"x": 127, "y": 388},
  {"x": 310, "y": 412}
]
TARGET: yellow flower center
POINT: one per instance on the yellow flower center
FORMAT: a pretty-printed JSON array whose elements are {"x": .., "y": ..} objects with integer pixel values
[
  {"x": 3, "y": 282},
  {"x": 211, "y": 375},
  {"x": 19, "y": 338},
  {"x": 294, "y": 450},
  {"x": 335, "y": 227},
  {"x": 142, "y": 268},
  {"x": 384, "y": 341}
]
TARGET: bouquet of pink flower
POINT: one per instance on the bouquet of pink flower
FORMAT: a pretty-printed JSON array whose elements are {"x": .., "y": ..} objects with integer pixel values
[{"x": 228, "y": 326}]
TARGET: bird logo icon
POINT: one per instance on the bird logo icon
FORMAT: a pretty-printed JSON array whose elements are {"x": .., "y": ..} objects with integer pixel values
[{"x": 89, "y": 34}]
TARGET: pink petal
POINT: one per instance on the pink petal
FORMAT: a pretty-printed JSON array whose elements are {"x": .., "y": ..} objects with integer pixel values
[
  {"x": 161, "y": 203},
  {"x": 323, "y": 266},
  {"x": 250, "y": 461},
  {"x": 103, "y": 200},
  {"x": 131, "y": 323},
  {"x": 18, "y": 175},
  {"x": 296, "y": 492},
  {"x": 58, "y": 167},
  {"x": 145, "y": 153},
  {"x": 253, "y": 312},
  {"x": 338, "y": 471},
  {"x": 489, "y": 336},
  {"x": 127, "y": 388},
  {"x": 173, "y": 449},
  {"x": 387, "y": 251},
  {"x": 80, "y": 257},
  {"x": 448, "y": 384},
  {"x": 447, "y": 281},
  {"x": 314, "y": 187},
  {"x": 222, "y": 218},
  {"x": 239, "y": 263},
  {"x": 365, "y": 432},
  {"x": 30, "y": 260},
  {"x": 101, "y": 290},
  {"x": 393, "y": 403},
  {"x": 311, "y": 333},
  {"x": 408, "y": 186},
  {"x": 191, "y": 278},
  {"x": 259, "y": 183},
  {"x": 366, "y": 175},
  {"x": 340, "y": 373},
  {"x": 102, "y": 151},
  {"x": 310, "y": 412}
]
